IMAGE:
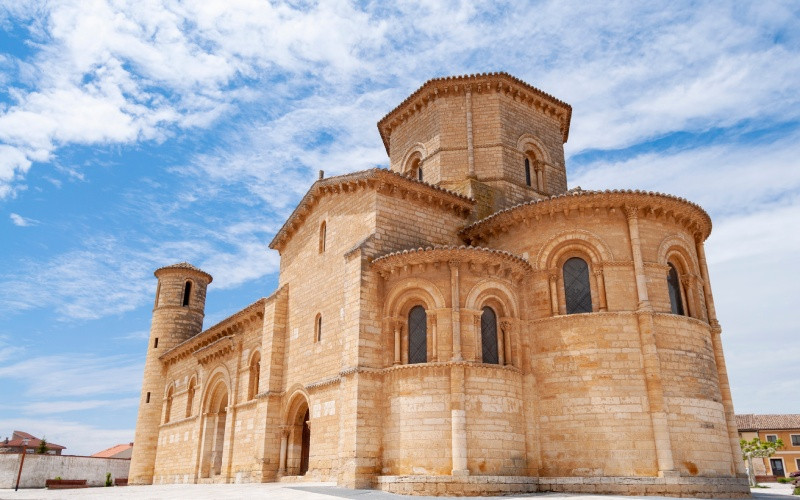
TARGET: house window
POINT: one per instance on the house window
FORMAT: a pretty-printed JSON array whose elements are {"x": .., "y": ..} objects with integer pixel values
[
  {"x": 187, "y": 292},
  {"x": 771, "y": 438},
  {"x": 318, "y": 328},
  {"x": 577, "y": 291},
  {"x": 417, "y": 335},
  {"x": 674, "y": 285},
  {"x": 190, "y": 398},
  {"x": 322, "y": 236},
  {"x": 796, "y": 441},
  {"x": 255, "y": 373},
  {"x": 527, "y": 172},
  {"x": 489, "y": 336}
]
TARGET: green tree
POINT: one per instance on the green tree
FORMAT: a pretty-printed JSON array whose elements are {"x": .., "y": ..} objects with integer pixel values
[
  {"x": 757, "y": 448},
  {"x": 42, "y": 449}
]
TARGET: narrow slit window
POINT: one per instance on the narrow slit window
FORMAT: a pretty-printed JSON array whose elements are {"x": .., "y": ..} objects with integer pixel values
[
  {"x": 419, "y": 173},
  {"x": 323, "y": 234},
  {"x": 417, "y": 335},
  {"x": 155, "y": 343},
  {"x": 674, "y": 285},
  {"x": 577, "y": 291},
  {"x": 527, "y": 172},
  {"x": 187, "y": 292},
  {"x": 318, "y": 328},
  {"x": 490, "y": 353},
  {"x": 148, "y": 398},
  {"x": 158, "y": 292}
]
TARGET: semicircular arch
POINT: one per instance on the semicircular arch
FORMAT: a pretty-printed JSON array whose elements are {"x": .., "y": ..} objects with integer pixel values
[
  {"x": 490, "y": 290},
  {"x": 413, "y": 288},
  {"x": 576, "y": 241},
  {"x": 529, "y": 142},
  {"x": 677, "y": 248},
  {"x": 416, "y": 149}
]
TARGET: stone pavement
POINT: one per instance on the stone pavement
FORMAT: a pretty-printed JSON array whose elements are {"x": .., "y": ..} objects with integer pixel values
[{"x": 295, "y": 491}]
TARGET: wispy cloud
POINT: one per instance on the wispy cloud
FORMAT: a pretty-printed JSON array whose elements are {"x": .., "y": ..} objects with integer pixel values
[
  {"x": 21, "y": 221},
  {"x": 66, "y": 406}
]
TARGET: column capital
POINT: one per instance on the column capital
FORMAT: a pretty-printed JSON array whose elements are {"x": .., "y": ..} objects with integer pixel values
[
  {"x": 631, "y": 212},
  {"x": 454, "y": 263},
  {"x": 552, "y": 276}
]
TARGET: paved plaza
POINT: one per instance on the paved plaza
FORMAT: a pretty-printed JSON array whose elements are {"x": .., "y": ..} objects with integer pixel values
[{"x": 295, "y": 491}]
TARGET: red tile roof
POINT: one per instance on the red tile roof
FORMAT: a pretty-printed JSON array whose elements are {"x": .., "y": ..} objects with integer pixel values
[
  {"x": 18, "y": 440},
  {"x": 752, "y": 422},
  {"x": 110, "y": 452}
]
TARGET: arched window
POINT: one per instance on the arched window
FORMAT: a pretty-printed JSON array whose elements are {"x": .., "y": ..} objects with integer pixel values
[
  {"x": 577, "y": 291},
  {"x": 674, "y": 285},
  {"x": 419, "y": 172},
  {"x": 255, "y": 373},
  {"x": 489, "y": 336},
  {"x": 168, "y": 408},
  {"x": 417, "y": 335},
  {"x": 158, "y": 292},
  {"x": 187, "y": 293},
  {"x": 318, "y": 328},
  {"x": 527, "y": 172},
  {"x": 322, "y": 236},
  {"x": 190, "y": 398}
]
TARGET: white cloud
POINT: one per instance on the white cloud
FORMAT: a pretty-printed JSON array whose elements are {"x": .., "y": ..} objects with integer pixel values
[{"x": 21, "y": 221}]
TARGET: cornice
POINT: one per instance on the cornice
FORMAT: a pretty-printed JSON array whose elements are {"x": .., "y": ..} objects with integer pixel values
[
  {"x": 182, "y": 267},
  {"x": 481, "y": 82},
  {"x": 227, "y": 327},
  {"x": 501, "y": 261},
  {"x": 382, "y": 180},
  {"x": 648, "y": 204}
]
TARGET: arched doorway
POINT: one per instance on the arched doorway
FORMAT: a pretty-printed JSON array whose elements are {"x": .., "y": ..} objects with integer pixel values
[
  {"x": 296, "y": 443},
  {"x": 215, "y": 418}
]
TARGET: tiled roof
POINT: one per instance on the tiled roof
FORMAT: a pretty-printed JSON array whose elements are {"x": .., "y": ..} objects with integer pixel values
[
  {"x": 110, "y": 452},
  {"x": 19, "y": 438},
  {"x": 752, "y": 422}
]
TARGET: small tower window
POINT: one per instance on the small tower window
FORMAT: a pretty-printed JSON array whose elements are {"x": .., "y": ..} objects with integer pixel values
[
  {"x": 417, "y": 335},
  {"x": 155, "y": 343},
  {"x": 158, "y": 292},
  {"x": 147, "y": 400},
  {"x": 419, "y": 172},
  {"x": 527, "y": 172},
  {"x": 322, "y": 236},
  {"x": 577, "y": 291},
  {"x": 318, "y": 328},
  {"x": 674, "y": 285},
  {"x": 187, "y": 292}
]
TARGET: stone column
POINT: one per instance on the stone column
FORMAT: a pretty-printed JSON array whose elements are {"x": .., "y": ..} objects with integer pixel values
[
  {"x": 553, "y": 278},
  {"x": 719, "y": 359},
  {"x": 458, "y": 421},
  {"x": 434, "y": 342},
  {"x": 476, "y": 324},
  {"x": 651, "y": 363},
  {"x": 398, "y": 331},
  {"x": 505, "y": 327},
  {"x": 693, "y": 309},
  {"x": 601, "y": 288},
  {"x": 284, "y": 449},
  {"x": 470, "y": 148},
  {"x": 539, "y": 167},
  {"x": 501, "y": 356},
  {"x": 455, "y": 299}
]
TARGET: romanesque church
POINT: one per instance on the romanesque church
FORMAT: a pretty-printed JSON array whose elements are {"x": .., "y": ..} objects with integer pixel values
[{"x": 460, "y": 323}]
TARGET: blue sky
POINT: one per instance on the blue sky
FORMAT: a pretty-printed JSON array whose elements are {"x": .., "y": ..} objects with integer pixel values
[{"x": 142, "y": 133}]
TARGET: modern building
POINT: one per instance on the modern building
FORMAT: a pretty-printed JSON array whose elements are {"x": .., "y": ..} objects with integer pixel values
[
  {"x": 123, "y": 450},
  {"x": 23, "y": 441},
  {"x": 785, "y": 427},
  {"x": 461, "y": 323}
]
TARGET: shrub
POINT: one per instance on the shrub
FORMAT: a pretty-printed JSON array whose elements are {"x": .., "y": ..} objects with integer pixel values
[
  {"x": 784, "y": 480},
  {"x": 108, "y": 479},
  {"x": 58, "y": 478}
]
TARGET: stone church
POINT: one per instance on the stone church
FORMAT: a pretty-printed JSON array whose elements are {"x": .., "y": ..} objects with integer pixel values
[{"x": 460, "y": 323}]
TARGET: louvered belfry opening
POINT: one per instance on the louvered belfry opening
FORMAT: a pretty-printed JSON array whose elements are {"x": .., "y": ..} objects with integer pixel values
[
  {"x": 577, "y": 291},
  {"x": 489, "y": 336},
  {"x": 417, "y": 335}
]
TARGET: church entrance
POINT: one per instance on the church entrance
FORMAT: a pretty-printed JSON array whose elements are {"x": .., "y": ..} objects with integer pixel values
[
  {"x": 296, "y": 440},
  {"x": 215, "y": 420},
  {"x": 306, "y": 443}
]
